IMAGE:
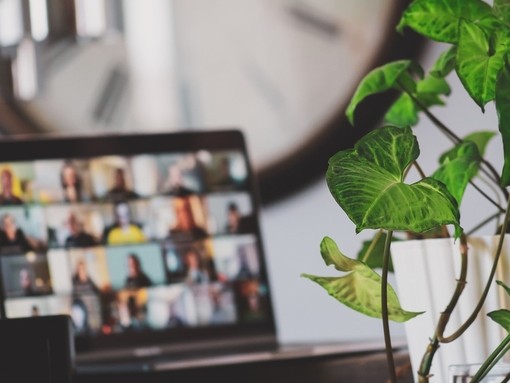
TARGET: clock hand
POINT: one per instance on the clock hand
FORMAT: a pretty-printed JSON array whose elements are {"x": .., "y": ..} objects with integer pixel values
[
  {"x": 305, "y": 15},
  {"x": 110, "y": 96},
  {"x": 266, "y": 87}
]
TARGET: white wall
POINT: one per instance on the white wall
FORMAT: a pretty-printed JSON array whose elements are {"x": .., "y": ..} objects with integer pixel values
[{"x": 294, "y": 228}]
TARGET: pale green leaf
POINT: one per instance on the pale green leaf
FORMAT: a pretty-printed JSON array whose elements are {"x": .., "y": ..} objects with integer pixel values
[
  {"x": 502, "y": 317},
  {"x": 503, "y": 109},
  {"x": 458, "y": 166},
  {"x": 481, "y": 139},
  {"x": 360, "y": 289},
  {"x": 445, "y": 64},
  {"x": 367, "y": 182},
  {"x": 439, "y": 19},
  {"x": 379, "y": 80},
  {"x": 479, "y": 61},
  {"x": 333, "y": 256}
]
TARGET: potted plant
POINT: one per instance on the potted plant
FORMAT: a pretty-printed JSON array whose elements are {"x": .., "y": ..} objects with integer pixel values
[{"x": 371, "y": 181}]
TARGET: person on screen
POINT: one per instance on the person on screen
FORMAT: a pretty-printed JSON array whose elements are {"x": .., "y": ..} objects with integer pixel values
[
  {"x": 82, "y": 283},
  {"x": 25, "y": 282},
  {"x": 71, "y": 182},
  {"x": 185, "y": 228},
  {"x": 80, "y": 316},
  {"x": 120, "y": 191},
  {"x": 174, "y": 319},
  {"x": 221, "y": 313},
  {"x": 195, "y": 271},
  {"x": 174, "y": 184},
  {"x": 136, "y": 277},
  {"x": 245, "y": 271},
  {"x": 35, "y": 311},
  {"x": 136, "y": 314},
  {"x": 12, "y": 239},
  {"x": 78, "y": 237},
  {"x": 236, "y": 223},
  {"x": 7, "y": 196},
  {"x": 124, "y": 231}
]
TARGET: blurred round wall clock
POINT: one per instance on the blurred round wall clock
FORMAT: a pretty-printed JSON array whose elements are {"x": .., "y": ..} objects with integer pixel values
[{"x": 282, "y": 71}]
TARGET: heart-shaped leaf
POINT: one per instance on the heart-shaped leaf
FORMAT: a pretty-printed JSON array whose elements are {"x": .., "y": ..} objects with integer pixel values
[
  {"x": 480, "y": 58},
  {"x": 502, "y": 317},
  {"x": 360, "y": 289},
  {"x": 439, "y": 19},
  {"x": 379, "y": 80},
  {"x": 458, "y": 166},
  {"x": 481, "y": 139},
  {"x": 445, "y": 63},
  {"x": 503, "y": 109},
  {"x": 367, "y": 182}
]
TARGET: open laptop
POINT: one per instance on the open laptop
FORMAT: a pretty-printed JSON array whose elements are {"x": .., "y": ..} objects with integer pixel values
[{"x": 151, "y": 244}]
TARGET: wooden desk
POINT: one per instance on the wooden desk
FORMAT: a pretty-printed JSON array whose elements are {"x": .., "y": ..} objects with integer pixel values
[{"x": 362, "y": 368}]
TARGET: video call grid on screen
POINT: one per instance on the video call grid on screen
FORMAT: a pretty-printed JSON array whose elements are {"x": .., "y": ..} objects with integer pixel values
[{"x": 138, "y": 243}]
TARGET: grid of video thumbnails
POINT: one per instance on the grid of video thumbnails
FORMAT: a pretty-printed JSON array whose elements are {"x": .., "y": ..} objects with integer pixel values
[{"x": 139, "y": 243}]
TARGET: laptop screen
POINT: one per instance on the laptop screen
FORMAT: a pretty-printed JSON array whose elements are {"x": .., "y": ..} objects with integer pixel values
[{"x": 141, "y": 239}]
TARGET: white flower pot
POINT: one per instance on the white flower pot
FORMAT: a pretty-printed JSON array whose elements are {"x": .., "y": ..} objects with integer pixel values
[{"x": 426, "y": 273}]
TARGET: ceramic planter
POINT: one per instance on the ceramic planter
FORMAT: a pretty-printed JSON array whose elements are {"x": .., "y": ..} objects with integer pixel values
[{"x": 426, "y": 273}]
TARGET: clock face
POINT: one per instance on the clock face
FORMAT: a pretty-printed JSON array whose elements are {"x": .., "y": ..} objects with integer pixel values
[{"x": 280, "y": 70}]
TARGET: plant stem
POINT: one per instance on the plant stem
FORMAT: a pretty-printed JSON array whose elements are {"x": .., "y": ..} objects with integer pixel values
[
  {"x": 482, "y": 224},
  {"x": 384, "y": 309},
  {"x": 445, "y": 316},
  {"x": 495, "y": 203},
  {"x": 371, "y": 248},
  {"x": 490, "y": 172},
  {"x": 493, "y": 358},
  {"x": 426, "y": 361},
  {"x": 420, "y": 170}
]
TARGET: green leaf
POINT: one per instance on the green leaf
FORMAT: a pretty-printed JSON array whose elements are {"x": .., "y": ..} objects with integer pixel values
[
  {"x": 479, "y": 60},
  {"x": 503, "y": 109},
  {"x": 439, "y": 19},
  {"x": 361, "y": 290},
  {"x": 458, "y": 166},
  {"x": 367, "y": 182},
  {"x": 502, "y": 10},
  {"x": 445, "y": 63},
  {"x": 481, "y": 139},
  {"x": 433, "y": 85},
  {"x": 403, "y": 112},
  {"x": 379, "y": 80},
  {"x": 375, "y": 258},
  {"x": 502, "y": 317},
  {"x": 333, "y": 256},
  {"x": 507, "y": 289}
]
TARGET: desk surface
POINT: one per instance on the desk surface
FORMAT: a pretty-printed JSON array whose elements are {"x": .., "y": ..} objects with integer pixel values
[{"x": 328, "y": 368}]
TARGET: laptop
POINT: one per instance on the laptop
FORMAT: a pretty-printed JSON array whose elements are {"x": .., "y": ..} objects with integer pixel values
[{"x": 149, "y": 242}]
